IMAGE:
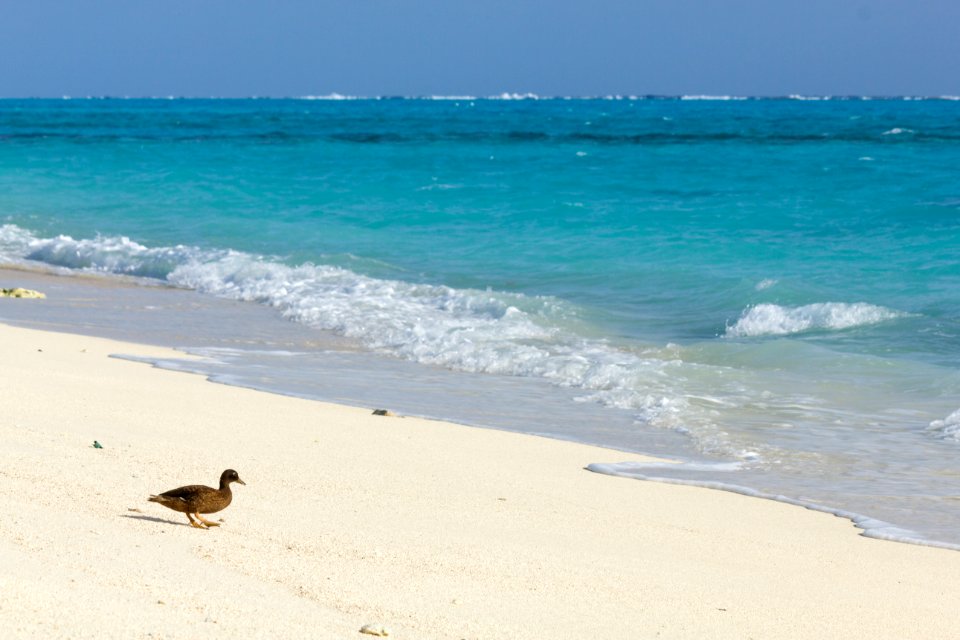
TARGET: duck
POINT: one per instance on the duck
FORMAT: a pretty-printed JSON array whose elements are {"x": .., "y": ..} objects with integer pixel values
[{"x": 195, "y": 499}]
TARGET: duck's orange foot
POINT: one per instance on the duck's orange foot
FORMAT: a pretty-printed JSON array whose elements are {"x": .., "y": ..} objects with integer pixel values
[
  {"x": 194, "y": 523},
  {"x": 207, "y": 522}
]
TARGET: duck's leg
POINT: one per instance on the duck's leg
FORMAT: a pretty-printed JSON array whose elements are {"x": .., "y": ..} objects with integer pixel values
[
  {"x": 194, "y": 523},
  {"x": 206, "y": 522}
]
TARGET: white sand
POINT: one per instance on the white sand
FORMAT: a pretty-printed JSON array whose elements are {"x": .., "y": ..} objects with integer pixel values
[{"x": 432, "y": 529}]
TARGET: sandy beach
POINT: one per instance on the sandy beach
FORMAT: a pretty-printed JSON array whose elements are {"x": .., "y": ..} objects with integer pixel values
[{"x": 433, "y": 530}]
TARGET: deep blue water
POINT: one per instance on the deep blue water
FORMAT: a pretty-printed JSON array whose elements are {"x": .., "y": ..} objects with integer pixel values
[{"x": 776, "y": 281}]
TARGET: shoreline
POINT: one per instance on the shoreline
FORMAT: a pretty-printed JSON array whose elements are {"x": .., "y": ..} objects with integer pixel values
[
  {"x": 117, "y": 298},
  {"x": 433, "y": 529}
]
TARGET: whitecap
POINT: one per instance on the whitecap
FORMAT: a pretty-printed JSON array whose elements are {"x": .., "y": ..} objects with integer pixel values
[
  {"x": 443, "y": 97},
  {"x": 776, "y": 320},
  {"x": 712, "y": 97},
  {"x": 330, "y": 96},
  {"x": 897, "y": 131},
  {"x": 14, "y": 242},
  {"x": 515, "y": 96},
  {"x": 948, "y": 428},
  {"x": 118, "y": 255}
]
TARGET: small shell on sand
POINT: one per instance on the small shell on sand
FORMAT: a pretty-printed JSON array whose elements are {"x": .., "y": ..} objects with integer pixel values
[
  {"x": 383, "y": 412},
  {"x": 374, "y": 630}
]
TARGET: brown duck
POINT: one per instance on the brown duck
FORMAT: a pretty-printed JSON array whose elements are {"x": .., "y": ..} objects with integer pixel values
[{"x": 195, "y": 499}]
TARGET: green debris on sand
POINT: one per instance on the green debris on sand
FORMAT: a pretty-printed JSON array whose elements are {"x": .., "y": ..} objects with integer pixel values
[
  {"x": 97, "y": 445},
  {"x": 18, "y": 292}
]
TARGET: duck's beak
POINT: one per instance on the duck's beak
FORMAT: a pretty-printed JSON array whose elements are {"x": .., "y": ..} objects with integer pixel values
[{"x": 241, "y": 481}]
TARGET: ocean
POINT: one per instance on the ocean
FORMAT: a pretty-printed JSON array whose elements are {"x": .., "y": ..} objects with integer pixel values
[{"x": 766, "y": 291}]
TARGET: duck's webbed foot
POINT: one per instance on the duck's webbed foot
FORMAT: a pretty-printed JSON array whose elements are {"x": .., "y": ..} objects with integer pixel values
[
  {"x": 194, "y": 523},
  {"x": 207, "y": 522}
]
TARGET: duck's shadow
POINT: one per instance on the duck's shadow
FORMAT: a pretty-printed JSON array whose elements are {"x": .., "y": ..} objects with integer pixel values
[{"x": 155, "y": 519}]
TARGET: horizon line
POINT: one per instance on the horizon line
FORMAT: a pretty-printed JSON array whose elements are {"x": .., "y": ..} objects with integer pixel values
[{"x": 334, "y": 97}]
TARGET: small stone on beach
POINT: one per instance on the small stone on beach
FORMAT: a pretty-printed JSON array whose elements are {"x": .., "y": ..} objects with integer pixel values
[
  {"x": 374, "y": 630},
  {"x": 383, "y": 412}
]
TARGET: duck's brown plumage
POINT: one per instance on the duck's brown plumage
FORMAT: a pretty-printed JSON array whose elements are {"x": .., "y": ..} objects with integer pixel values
[{"x": 195, "y": 499}]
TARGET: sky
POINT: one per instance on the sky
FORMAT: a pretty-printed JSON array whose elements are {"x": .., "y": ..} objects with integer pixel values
[{"x": 236, "y": 48}]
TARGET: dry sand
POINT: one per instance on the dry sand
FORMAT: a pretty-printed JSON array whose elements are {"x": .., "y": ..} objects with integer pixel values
[{"x": 434, "y": 530}]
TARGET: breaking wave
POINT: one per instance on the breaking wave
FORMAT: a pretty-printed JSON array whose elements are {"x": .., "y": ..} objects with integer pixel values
[
  {"x": 461, "y": 329},
  {"x": 775, "y": 320},
  {"x": 948, "y": 428}
]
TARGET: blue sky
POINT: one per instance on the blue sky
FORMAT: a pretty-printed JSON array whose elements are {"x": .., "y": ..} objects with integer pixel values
[{"x": 425, "y": 47}]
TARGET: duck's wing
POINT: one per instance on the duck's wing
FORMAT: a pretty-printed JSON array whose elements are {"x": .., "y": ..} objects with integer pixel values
[{"x": 187, "y": 493}]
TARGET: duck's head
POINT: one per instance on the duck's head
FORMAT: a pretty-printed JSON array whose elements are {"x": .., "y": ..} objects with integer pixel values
[{"x": 229, "y": 476}]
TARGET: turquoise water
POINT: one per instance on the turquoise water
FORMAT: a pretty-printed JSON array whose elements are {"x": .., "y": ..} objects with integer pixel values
[{"x": 775, "y": 282}]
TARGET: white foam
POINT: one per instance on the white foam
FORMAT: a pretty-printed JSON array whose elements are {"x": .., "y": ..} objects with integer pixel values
[
  {"x": 461, "y": 329},
  {"x": 897, "y": 131},
  {"x": 710, "y": 97},
  {"x": 466, "y": 330},
  {"x": 14, "y": 242},
  {"x": 118, "y": 255},
  {"x": 775, "y": 320},
  {"x": 515, "y": 96},
  {"x": 948, "y": 428},
  {"x": 440, "y": 97},
  {"x": 330, "y": 96}
]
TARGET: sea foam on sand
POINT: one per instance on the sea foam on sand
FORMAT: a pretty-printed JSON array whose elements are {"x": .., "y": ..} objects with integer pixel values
[{"x": 430, "y": 529}]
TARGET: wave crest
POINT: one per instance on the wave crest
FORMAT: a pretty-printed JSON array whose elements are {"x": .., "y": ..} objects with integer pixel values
[
  {"x": 775, "y": 320},
  {"x": 118, "y": 255},
  {"x": 948, "y": 428}
]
